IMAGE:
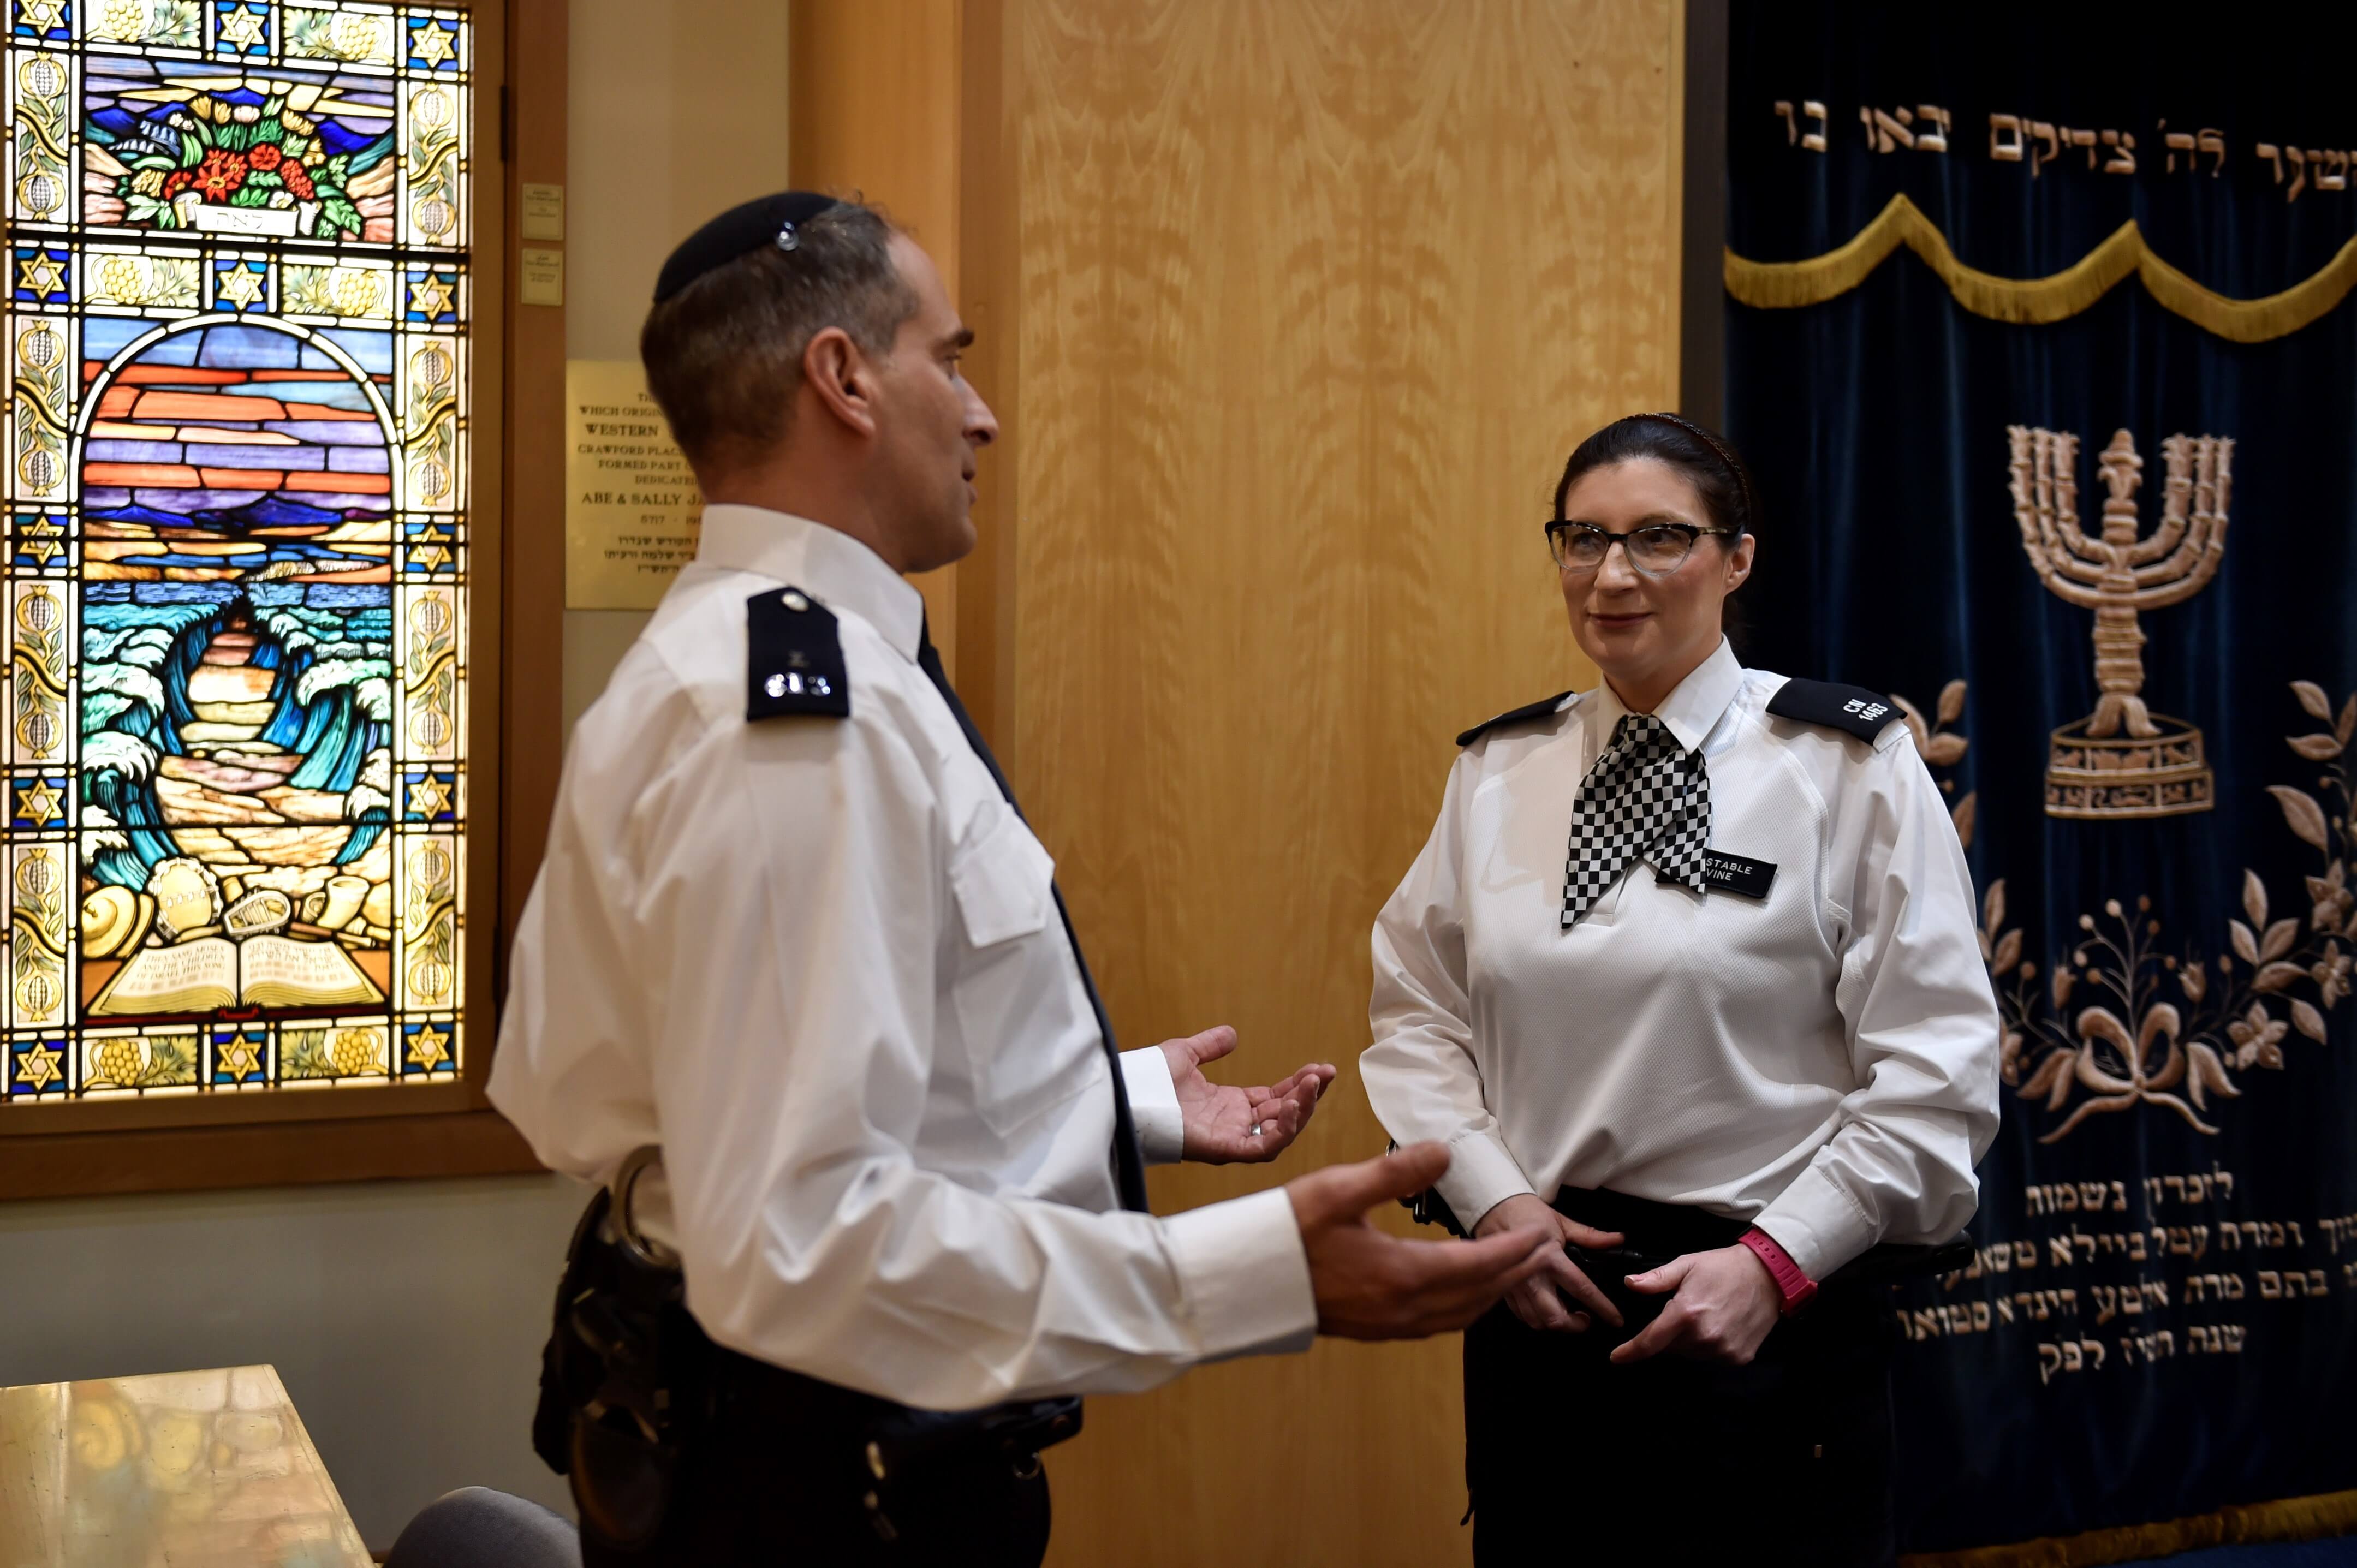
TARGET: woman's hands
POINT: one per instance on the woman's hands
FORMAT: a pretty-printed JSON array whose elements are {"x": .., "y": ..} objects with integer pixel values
[
  {"x": 1536, "y": 1300},
  {"x": 1726, "y": 1301}
]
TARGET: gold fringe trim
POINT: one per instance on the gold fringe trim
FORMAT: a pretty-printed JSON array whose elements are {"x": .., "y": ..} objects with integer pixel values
[
  {"x": 2291, "y": 1519},
  {"x": 1784, "y": 286}
]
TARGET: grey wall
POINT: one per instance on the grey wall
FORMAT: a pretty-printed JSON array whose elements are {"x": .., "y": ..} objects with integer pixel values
[
  {"x": 646, "y": 169},
  {"x": 407, "y": 1317}
]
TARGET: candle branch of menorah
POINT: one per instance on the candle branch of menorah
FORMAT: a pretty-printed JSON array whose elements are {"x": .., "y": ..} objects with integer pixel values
[{"x": 2122, "y": 760}]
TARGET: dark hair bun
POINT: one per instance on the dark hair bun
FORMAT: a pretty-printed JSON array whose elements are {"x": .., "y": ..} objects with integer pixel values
[{"x": 1704, "y": 458}]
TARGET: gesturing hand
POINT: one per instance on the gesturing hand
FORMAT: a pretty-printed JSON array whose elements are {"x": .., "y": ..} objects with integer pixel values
[
  {"x": 1536, "y": 1300},
  {"x": 1371, "y": 1285},
  {"x": 1221, "y": 1119},
  {"x": 1726, "y": 1302}
]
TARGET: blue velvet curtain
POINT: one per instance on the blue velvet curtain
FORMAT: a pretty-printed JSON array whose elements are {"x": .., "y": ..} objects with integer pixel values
[{"x": 2163, "y": 1317}]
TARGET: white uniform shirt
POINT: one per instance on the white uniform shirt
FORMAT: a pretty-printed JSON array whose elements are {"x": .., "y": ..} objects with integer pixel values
[
  {"x": 1822, "y": 1062},
  {"x": 818, "y": 960}
]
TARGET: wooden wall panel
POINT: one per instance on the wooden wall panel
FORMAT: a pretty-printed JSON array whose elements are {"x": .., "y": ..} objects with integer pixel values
[
  {"x": 874, "y": 110},
  {"x": 1311, "y": 299}
]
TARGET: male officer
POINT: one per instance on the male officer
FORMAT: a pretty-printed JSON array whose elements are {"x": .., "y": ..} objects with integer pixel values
[{"x": 793, "y": 929}]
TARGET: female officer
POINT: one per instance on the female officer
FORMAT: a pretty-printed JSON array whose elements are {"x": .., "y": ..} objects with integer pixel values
[{"x": 1687, "y": 969}]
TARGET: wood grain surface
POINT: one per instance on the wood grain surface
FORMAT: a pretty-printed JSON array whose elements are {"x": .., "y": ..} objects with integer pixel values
[
  {"x": 1312, "y": 300},
  {"x": 874, "y": 115}
]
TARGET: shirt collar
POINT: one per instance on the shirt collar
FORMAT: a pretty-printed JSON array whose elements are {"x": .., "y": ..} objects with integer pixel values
[
  {"x": 831, "y": 566},
  {"x": 1693, "y": 708}
]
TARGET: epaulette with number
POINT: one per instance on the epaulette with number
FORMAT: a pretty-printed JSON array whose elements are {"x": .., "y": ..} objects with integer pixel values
[
  {"x": 1514, "y": 716},
  {"x": 794, "y": 658},
  {"x": 1864, "y": 714}
]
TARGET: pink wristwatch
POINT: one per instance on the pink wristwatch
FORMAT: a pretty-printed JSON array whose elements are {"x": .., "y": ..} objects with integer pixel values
[{"x": 1797, "y": 1288}]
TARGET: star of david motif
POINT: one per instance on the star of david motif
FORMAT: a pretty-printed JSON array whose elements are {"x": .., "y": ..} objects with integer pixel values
[
  {"x": 41, "y": 15},
  {"x": 242, "y": 28},
  {"x": 429, "y": 1047},
  {"x": 38, "y": 1066},
  {"x": 39, "y": 803},
  {"x": 430, "y": 45},
  {"x": 429, "y": 797},
  {"x": 238, "y": 1058},
  {"x": 429, "y": 296},
  {"x": 43, "y": 273},
  {"x": 241, "y": 286},
  {"x": 38, "y": 540}
]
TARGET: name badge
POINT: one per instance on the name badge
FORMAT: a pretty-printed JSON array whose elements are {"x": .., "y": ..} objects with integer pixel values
[{"x": 1736, "y": 874}]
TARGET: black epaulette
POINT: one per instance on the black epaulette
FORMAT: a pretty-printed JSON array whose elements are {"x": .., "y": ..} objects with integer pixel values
[
  {"x": 1853, "y": 708},
  {"x": 1514, "y": 716},
  {"x": 794, "y": 658}
]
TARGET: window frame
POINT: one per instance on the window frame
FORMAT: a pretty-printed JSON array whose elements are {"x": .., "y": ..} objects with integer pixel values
[{"x": 185, "y": 1143}]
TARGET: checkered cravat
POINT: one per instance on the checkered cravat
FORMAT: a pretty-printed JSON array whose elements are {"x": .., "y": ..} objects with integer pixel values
[{"x": 1647, "y": 797}]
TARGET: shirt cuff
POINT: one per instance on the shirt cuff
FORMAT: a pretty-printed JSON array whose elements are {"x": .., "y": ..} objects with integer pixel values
[
  {"x": 1819, "y": 1226},
  {"x": 1244, "y": 1275},
  {"x": 1482, "y": 1175},
  {"x": 1154, "y": 1106}
]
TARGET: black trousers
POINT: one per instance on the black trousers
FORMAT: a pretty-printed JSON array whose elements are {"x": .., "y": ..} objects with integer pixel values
[
  {"x": 1786, "y": 1460},
  {"x": 777, "y": 1476}
]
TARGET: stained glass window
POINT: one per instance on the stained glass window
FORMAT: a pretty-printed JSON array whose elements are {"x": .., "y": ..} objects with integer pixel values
[{"x": 235, "y": 586}]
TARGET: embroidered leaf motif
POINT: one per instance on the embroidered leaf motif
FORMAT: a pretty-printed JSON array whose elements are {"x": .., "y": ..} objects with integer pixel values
[
  {"x": 2278, "y": 940},
  {"x": 2301, "y": 814},
  {"x": 1962, "y": 817},
  {"x": 2182, "y": 1055},
  {"x": 1944, "y": 750},
  {"x": 1951, "y": 702},
  {"x": 2276, "y": 976},
  {"x": 2307, "y": 1020}
]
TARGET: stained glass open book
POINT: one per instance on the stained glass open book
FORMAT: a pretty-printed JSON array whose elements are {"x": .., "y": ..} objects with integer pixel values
[
  {"x": 242, "y": 963},
  {"x": 215, "y": 974}
]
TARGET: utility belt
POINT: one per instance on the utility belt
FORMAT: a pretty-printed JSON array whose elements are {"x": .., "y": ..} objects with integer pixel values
[
  {"x": 630, "y": 1383},
  {"x": 1656, "y": 1233}
]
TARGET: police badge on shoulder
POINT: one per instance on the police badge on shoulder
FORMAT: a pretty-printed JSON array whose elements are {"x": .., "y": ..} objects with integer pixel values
[{"x": 794, "y": 658}]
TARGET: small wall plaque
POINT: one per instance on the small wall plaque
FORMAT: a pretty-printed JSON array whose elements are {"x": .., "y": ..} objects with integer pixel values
[
  {"x": 543, "y": 212},
  {"x": 543, "y": 281}
]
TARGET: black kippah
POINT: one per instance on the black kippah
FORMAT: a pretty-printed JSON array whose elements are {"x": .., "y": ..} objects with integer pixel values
[{"x": 739, "y": 232}]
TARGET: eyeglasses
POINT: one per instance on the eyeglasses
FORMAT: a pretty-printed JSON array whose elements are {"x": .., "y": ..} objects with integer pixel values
[{"x": 1656, "y": 549}]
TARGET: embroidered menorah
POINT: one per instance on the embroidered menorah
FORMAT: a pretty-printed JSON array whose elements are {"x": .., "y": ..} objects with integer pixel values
[{"x": 2122, "y": 760}]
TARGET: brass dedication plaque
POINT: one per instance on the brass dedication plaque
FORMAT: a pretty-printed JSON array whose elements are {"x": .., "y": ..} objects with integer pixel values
[{"x": 631, "y": 507}]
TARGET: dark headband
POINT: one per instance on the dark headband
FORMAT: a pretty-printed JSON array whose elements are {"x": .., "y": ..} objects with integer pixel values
[
  {"x": 739, "y": 232},
  {"x": 1725, "y": 453}
]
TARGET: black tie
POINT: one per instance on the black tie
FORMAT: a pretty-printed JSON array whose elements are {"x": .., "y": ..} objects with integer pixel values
[{"x": 1128, "y": 1161}]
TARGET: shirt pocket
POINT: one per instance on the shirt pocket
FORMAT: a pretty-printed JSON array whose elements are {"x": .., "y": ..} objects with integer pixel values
[
  {"x": 1017, "y": 995},
  {"x": 1003, "y": 881}
]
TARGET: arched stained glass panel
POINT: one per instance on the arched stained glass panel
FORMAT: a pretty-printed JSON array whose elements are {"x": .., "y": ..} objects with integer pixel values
[{"x": 234, "y": 601}]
